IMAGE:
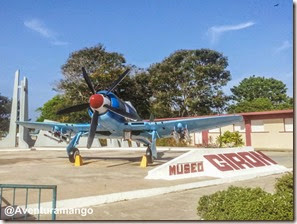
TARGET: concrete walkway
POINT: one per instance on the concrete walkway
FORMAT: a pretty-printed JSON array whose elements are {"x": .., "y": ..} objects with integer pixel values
[
  {"x": 172, "y": 206},
  {"x": 107, "y": 172}
]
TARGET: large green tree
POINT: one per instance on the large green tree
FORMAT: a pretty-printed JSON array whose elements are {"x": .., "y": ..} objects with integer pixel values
[
  {"x": 259, "y": 94},
  {"x": 103, "y": 68},
  {"x": 5, "y": 107},
  {"x": 189, "y": 82},
  {"x": 138, "y": 92},
  {"x": 50, "y": 108}
]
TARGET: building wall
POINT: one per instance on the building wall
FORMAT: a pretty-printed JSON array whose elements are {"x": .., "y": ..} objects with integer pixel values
[
  {"x": 213, "y": 134},
  {"x": 274, "y": 135}
]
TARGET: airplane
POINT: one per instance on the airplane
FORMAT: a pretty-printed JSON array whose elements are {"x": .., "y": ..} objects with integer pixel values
[{"x": 113, "y": 118}]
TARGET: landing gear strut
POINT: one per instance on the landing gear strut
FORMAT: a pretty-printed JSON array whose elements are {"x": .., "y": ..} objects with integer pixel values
[
  {"x": 73, "y": 154},
  {"x": 149, "y": 155}
]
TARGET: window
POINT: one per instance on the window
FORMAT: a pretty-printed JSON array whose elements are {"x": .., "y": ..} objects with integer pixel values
[
  {"x": 288, "y": 124},
  {"x": 214, "y": 130},
  {"x": 240, "y": 127},
  {"x": 257, "y": 126}
]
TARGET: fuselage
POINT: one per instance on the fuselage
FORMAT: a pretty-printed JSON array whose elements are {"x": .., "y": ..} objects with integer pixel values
[{"x": 113, "y": 122}]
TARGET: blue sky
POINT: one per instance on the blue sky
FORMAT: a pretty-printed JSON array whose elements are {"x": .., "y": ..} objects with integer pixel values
[{"x": 38, "y": 36}]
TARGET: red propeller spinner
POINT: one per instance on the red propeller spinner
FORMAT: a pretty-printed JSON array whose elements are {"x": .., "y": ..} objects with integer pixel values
[{"x": 96, "y": 101}]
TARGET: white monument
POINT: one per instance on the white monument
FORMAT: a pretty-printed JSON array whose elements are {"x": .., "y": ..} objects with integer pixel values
[
  {"x": 20, "y": 137},
  {"x": 19, "y": 97}
]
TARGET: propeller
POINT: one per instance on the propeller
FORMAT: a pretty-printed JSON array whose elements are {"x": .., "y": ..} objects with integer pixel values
[
  {"x": 88, "y": 81},
  {"x": 152, "y": 118},
  {"x": 73, "y": 109},
  {"x": 93, "y": 127},
  {"x": 115, "y": 83},
  {"x": 97, "y": 101}
]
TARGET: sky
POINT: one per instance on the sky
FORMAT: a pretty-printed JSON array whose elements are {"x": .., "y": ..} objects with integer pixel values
[{"x": 37, "y": 37}]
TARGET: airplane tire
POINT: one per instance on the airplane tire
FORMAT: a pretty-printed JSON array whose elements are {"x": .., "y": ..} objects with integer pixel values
[{"x": 73, "y": 154}]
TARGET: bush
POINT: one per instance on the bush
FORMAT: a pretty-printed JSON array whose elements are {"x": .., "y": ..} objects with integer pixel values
[
  {"x": 230, "y": 139},
  {"x": 285, "y": 184},
  {"x": 237, "y": 203},
  {"x": 170, "y": 142}
]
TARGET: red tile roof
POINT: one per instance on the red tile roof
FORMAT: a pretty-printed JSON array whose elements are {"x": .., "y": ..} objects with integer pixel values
[
  {"x": 243, "y": 114},
  {"x": 268, "y": 112}
]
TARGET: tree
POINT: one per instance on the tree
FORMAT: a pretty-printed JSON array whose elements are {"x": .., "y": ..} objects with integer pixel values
[
  {"x": 103, "y": 68},
  {"x": 189, "y": 82},
  {"x": 259, "y": 94},
  {"x": 49, "y": 109},
  {"x": 230, "y": 139},
  {"x": 5, "y": 107},
  {"x": 139, "y": 93},
  {"x": 258, "y": 104}
]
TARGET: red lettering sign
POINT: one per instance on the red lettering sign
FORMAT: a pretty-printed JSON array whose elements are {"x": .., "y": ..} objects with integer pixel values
[
  {"x": 229, "y": 162},
  {"x": 218, "y": 162},
  {"x": 179, "y": 169},
  {"x": 185, "y": 168},
  {"x": 193, "y": 168},
  {"x": 240, "y": 160},
  {"x": 172, "y": 170},
  {"x": 263, "y": 158},
  {"x": 200, "y": 167},
  {"x": 251, "y": 159}
]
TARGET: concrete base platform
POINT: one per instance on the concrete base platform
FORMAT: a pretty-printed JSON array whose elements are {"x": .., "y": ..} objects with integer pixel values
[{"x": 104, "y": 172}]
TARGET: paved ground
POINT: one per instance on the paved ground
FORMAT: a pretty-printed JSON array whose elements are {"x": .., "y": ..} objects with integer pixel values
[
  {"x": 108, "y": 172},
  {"x": 173, "y": 206}
]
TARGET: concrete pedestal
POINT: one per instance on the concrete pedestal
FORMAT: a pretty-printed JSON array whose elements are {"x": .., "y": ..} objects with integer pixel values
[
  {"x": 10, "y": 141},
  {"x": 25, "y": 140}
]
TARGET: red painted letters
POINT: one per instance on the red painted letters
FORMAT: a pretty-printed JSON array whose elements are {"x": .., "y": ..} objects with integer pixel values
[
  {"x": 240, "y": 160},
  {"x": 224, "y": 162},
  {"x": 184, "y": 168},
  {"x": 218, "y": 162}
]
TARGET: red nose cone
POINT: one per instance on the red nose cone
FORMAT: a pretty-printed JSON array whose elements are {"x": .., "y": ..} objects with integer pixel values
[{"x": 96, "y": 101}]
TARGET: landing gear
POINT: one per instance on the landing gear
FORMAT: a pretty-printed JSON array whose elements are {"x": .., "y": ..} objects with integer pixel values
[
  {"x": 73, "y": 154},
  {"x": 149, "y": 155}
]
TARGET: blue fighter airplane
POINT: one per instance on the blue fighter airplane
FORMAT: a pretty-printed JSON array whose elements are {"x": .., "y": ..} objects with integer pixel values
[{"x": 113, "y": 118}]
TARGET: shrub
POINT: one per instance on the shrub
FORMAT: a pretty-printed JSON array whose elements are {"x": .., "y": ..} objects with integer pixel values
[
  {"x": 285, "y": 184},
  {"x": 170, "y": 142},
  {"x": 103, "y": 142},
  {"x": 237, "y": 203},
  {"x": 230, "y": 139}
]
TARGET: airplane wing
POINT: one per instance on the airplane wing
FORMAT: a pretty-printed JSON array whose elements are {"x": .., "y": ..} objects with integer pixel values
[
  {"x": 165, "y": 128},
  {"x": 51, "y": 126}
]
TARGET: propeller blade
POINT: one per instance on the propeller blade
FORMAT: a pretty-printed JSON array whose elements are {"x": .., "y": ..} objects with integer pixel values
[
  {"x": 73, "y": 109},
  {"x": 122, "y": 112},
  {"x": 152, "y": 118},
  {"x": 118, "y": 81},
  {"x": 88, "y": 81},
  {"x": 93, "y": 127}
]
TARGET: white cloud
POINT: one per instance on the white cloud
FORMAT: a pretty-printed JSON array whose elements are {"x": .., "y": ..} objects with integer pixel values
[
  {"x": 39, "y": 27},
  {"x": 59, "y": 43},
  {"x": 216, "y": 31},
  {"x": 285, "y": 45}
]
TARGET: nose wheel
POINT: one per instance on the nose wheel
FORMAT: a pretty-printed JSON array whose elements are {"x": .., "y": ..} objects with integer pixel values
[{"x": 73, "y": 154}]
